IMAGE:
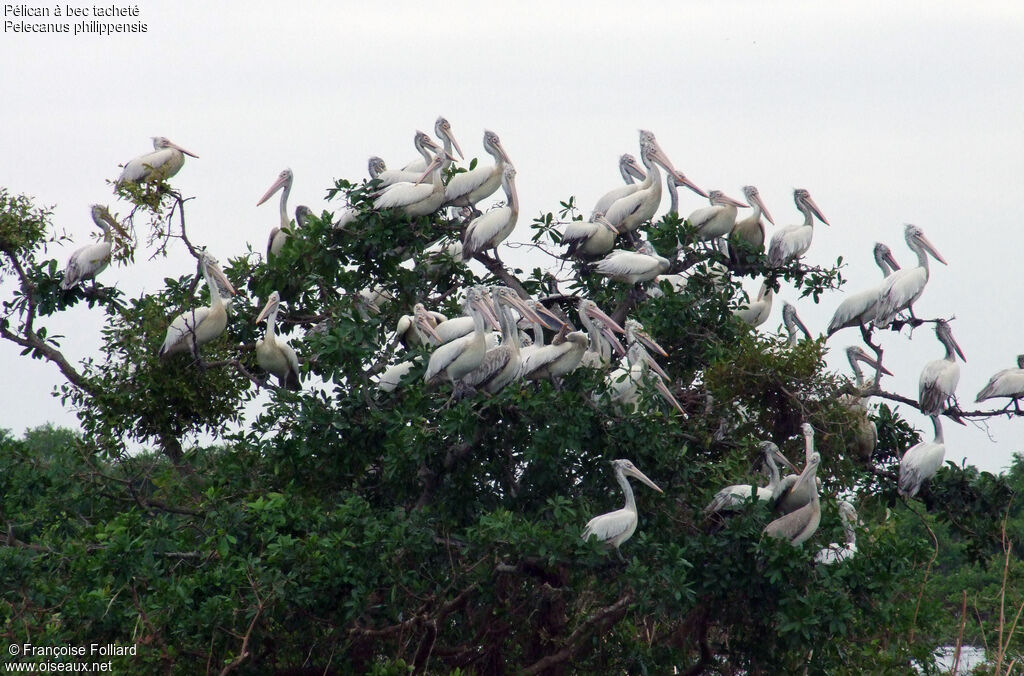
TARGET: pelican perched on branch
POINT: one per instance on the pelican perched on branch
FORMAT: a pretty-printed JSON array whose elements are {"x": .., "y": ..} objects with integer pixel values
[
  {"x": 425, "y": 146},
  {"x": 735, "y": 495},
  {"x": 90, "y": 260},
  {"x": 456, "y": 359},
  {"x": 921, "y": 462},
  {"x": 630, "y": 170},
  {"x": 274, "y": 356},
  {"x": 616, "y": 527},
  {"x": 866, "y": 434},
  {"x": 903, "y": 287},
  {"x": 747, "y": 236},
  {"x": 589, "y": 240},
  {"x": 861, "y": 308},
  {"x": 792, "y": 322},
  {"x": 795, "y": 493},
  {"x": 716, "y": 220},
  {"x": 443, "y": 131},
  {"x": 194, "y": 328},
  {"x": 1006, "y": 383},
  {"x": 633, "y": 266},
  {"x": 488, "y": 230},
  {"x": 165, "y": 161},
  {"x": 469, "y": 187},
  {"x": 624, "y": 383},
  {"x": 279, "y": 235},
  {"x": 793, "y": 241},
  {"x": 939, "y": 377},
  {"x": 756, "y": 312},
  {"x": 836, "y": 553},
  {"x": 416, "y": 199},
  {"x": 800, "y": 524},
  {"x": 601, "y": 330},
  {"x": 419, "y": 327}
]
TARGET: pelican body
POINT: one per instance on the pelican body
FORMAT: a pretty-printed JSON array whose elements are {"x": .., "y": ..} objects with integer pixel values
[
  {"x": 589, "y": 240},
  {"x": 795, "y": 492},
  {"x": 747, "y": 235},
  {"x": 192, "y": 329},
  {"x": 165, "y": 161},
  {"x": 633, "y": 266},
  {"x": 921, "y": 462},
  {"x": 279, "y": 235},
  {"x": 865, "y": 434},
  {"x": 792, "y": 322},
  {"x": 630, "y": 170},
  {"x": 461, "y": 356},
  {"x": 902, "y": 288},
  {"x": 90, "y": 260},
  {"x": 939, "y": 377},
  {"x": 425, "y": 146},
  {"x": 733, "y": 496},
  {"x": 469, "y": 187},
  {"x": 616, "y": 527},
  {"x": 756, "y": 312},
  {"x": 274, "y": 356},
  {"x": 793, "y": 241},
  {"x": 836, "y": 553},
  {"x": 416, "y": 199},
  {"x": 800, "y": 524},
  {"x": 716, "y": 220},
  {"x": 1005, "y": 383},
  {"x": 489, "y": 230},
  {"x": 861, "y": 308}
]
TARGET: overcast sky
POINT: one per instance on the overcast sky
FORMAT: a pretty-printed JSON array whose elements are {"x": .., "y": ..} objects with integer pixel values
[{"x": 886, "y": 113}]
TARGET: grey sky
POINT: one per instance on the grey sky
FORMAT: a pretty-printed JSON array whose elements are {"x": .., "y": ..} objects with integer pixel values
[{"x": 887, "y": 114}]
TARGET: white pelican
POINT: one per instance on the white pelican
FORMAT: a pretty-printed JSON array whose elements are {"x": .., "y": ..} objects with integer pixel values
[
  {"x": 274, "y": 356},
  {"x": 416, "y": 199},
  {"x": 633, "y": 266},
  {"x": 469, "y": 187},
  {"x": 921, "y": 462},
  {"x": 902, "y": 288},
  {"x": 601, "y": 330},
  {"x": 1006, "y": 383},
  {"x": 835, "y": 552},
  {"x": 165, "y": 161},
  {"x": 756, "y": 312},
  {"x": 502, "y": 364},
  {"x": 629, "y": 212},
  {"x": 392, "y": 376},
  {"x": 589, "y": 240},
  {"x": 424, "y": 145},
  {"x": 624, "y": 383},
  {"x": 800, "y": 524},
  {"x": 90, "y": 260},
  {"x": 418, "y": 328},
  {"x": 792, "y": 323},
  {"x": 866, "y": 434},
  {"x": 443, "y": 131},
  {"x": 793, "y": 241},
  {"x": 629, "y": 170},
  {"x": 716, "y": 220},
  {"x": 747, "y": 235},
  {"x": 487, "y": 231},
  {"x": 616, "y": 527},
  {"x": 795, "y": 493},
  {"x": 559, "y": 358},
  {"x": 194, "y": 328},
  {"x": 860, "y": 309},
  {"x": 940, "y": 376},
  {"x": 461, "y": 356},
  {"x": 735, "y": 495},
  {"x": 279, "y": 235}
]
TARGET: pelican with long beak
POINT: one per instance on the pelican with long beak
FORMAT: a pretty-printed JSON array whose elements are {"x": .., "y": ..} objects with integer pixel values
[
  {"x": 903, "y": 287},
  {"x": 793, "y": 241},
  {"x": 865, "y": 434},
  {"x": 458, "y": 358},
  {"x": 165, "y": 161},
  {"x": 747, "y": 236},
  {"x": 419, "y": 198},
  {"x": 800, "y": 524},
  {"x": 92, "y": 259},
  {"x": 469, "y": 187},
  {"x": 732, "y": 496},
  {"x": 616, "y": 527},
  {"x": 939, "y": 377},
  {"x": 274, "y": 356},
  {"x": 716, "y": 220},
  {"x": 192, "y": 329},
  {"x": 443, "y": 131},
  {"x": 861, "y": 308},
  {"x": 279, "y": 235}
]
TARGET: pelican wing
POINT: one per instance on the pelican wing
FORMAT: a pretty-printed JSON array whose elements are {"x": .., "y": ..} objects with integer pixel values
[
  {"x": 1005, "y": 383},
  {"x": 613, "y": 527},
  {"x": 488, "y": 231},
  {"x": 393, "y": 176},
  {"x": 402, "y": 195},
  {"x": 179, "y": 333},
  {"x": 392, "y": 376},
  {"x": 899, "y": 291},
  {"x": 625, "y": 207},
  {"x": 291, "y": 380},
  {"x": 856, "y": 309},
  {"x": 796, "y": 526},
  {"x": 613, "y": 195},
  {"x": 85, "y": 263},
  {"x": 578, "y": 232},
  {"x": 937, "y": 384},
  {"x": 628, "y": 266},
  {"x": 918, "y": 465},
  {"x": 495, "y": 361},
  {"x": 788, "y": 243},
  {"x": 701, "y": 217},
  {"x": 732, "y": 496},
  {"x": 463, "y": 183}
]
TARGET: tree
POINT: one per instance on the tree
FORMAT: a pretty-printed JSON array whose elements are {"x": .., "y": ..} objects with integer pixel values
[{"x": 343, "y": 530}]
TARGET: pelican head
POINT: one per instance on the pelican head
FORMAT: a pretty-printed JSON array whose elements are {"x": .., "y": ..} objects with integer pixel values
[
  {"x": 945, "y": 335},
  {"x": 753, "y": 198},
  {"x": 770, "y": 450},
  {"x": 284, "y": 180},
  {"x": 629, "y": 167},
  {"x": 443, "y": 129},
  {"x": 161, "y": 142},
  {"x": 791, "y": 320},
  {"x": 807, "y": 430},
  {"x": 847, "y": 512},
  {"x": 422, "y": 140},
  {"x": 376, "y": 166},
  {"x": 855, "y": 353},
  {"x": 302, "y": 214},
  {"x": 492, "y": 144},
  {"x": 918, "y": 242},
  {"x": 606, "y": 326},
  {"x": 884, "y": 254},
  {"x": 718, "y": 198},
  {"x": 273, "y": 302},
  {"x": 210, "y": 266},
  {"x": 805, "y": 203},
  {"x": 101, "y": 216},
  {"x": 626, "y": 468},
  {"x": 635, "y": 332}
]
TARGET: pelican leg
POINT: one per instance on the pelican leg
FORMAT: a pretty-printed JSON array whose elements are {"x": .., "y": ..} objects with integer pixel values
[{"x": 1016, "y": 406}]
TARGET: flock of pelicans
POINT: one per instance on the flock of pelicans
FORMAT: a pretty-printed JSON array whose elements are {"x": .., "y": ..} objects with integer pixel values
[{"x": 500, "y": 338}]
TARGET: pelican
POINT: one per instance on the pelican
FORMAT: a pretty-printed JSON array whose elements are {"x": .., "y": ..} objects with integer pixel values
[
  {"x": 940, "y": 376},
  {"x": 633, "y": 266},
  {"x": 376, "y": 166},
  {"x": 616, "y": 527},
  {"x": 865, "y": 434},
  {"x": 456, "y": 359},
  {"x": 716, "y": 220},
  {"x": 756, "y": 312},
  {"x": 921, "y": 462},
  {"x": 469, "y": 187},
  {"x": 559, "y": 358},
  {"x": 902, "y": 288},
  {"x": 1006, "y": 383},
  {"x": 629, "y": 170},
  {"x": 860, "y": 309},
  {"x": 629, "y": 212},
  {"x": 501, "y": 364},
  {"x": 90, "y": 260},
  {"x": 165, "y": 161},
  {"x": 800, "y": 524},
  {"x": 735, "y": 495},
  {"x": 624, "y": 382},
  {"x": 489, "y": 230},
  {"x": 792, "y": 323},
  {"x": 443, "y": 131},
  {"x": 392, "y": 376},
  {"x": 388, "y": 177},
  {"x": 793, "y": 241},
  {"x": 418, "y": 328},
  {"x": 795, "y": 493},
  {"x": 416, "y": 199},
  {"x": 273, "y": 356},
  {"x": 836, "y": 553},
  {"x": 601, "y": 330},
  {"x": 589, "y": 240},
  {"x": 198, "y": 326},
  {"x": 279, "y": 235},
  {"x": 747, "y": 235}
]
